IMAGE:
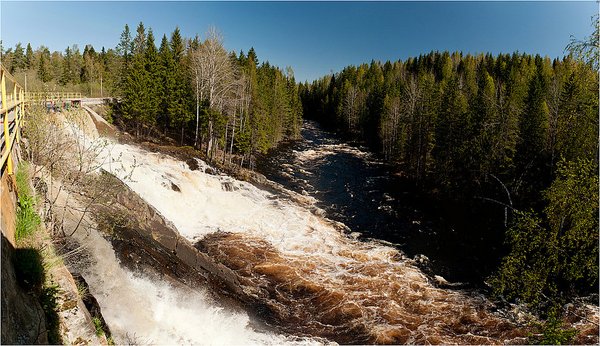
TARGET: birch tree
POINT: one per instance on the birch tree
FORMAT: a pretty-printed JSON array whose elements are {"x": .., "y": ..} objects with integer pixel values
[{"x": 214, "y": 75}]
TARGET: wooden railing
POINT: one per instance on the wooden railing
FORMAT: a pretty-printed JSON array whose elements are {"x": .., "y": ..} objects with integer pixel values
[
  {"x": 12, "y": 111},
  {"x": 52, "y": 96}
]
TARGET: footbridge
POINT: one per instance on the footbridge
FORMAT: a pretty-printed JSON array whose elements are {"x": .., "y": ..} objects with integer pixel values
[{"x": 14, "y": 104}]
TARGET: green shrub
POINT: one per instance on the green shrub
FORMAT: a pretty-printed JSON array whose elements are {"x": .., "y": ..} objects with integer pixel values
[
  {"x": 553, "y": 332},
  {"x": 555, "y": 252}
]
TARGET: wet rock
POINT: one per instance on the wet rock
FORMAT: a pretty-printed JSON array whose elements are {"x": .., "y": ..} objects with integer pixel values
[
  {"x": 421, "y": 259},
  {"x": 76, "y": 324},
  {"x": 192, "y": 164},
  {"x": 227, "y": 186},
  {"x": 158, "y": 246},
  {"x": 90, "y": 302},
  {"x": 211, "y": 171},
  {"x": 441, "y": 282}
]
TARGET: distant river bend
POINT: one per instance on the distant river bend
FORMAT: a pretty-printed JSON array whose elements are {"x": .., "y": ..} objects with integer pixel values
[{"x": 364, "y": 193}]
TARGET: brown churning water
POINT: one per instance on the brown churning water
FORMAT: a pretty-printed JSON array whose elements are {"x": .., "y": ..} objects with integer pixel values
[{"x": 358, "y": 293}]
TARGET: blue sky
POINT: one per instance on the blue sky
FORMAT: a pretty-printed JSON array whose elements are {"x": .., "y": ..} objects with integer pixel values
[{"x": 314, "y": 38}]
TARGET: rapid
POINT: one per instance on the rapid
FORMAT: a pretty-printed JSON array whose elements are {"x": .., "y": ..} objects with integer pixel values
[
  {"x": 143, "y": 308},
  {"x": 310, "y": 276}
]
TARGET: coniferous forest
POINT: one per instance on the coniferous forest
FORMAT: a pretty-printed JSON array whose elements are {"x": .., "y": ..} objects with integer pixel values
[
  {"x": 506, "y": 146},
  {"x": 188, "y": 89}
]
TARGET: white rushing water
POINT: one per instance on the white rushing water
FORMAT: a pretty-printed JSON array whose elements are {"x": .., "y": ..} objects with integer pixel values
[
  {"x": 320, "y": 280},
  {"x": 138, "y": 309},
  {"x": 145, "y": 311},
  {"x": 365, "y": 290},
  {"x": 203, "y": 205}
]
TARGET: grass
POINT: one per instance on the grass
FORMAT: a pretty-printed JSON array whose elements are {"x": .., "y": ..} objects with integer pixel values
[
  {"x": 98, "y": 326},
  {"x": 28, "y": 221},
  {"x": 82, "y": 290},
  {"x": 100, "y": 331}
]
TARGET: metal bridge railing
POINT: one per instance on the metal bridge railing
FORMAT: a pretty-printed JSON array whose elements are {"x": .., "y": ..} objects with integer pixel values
[{"x": 12, "y": 110}]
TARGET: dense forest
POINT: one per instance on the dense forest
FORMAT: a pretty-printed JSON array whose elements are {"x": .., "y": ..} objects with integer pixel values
[
  {"x": 506, "y": 145},
  {"x": 188, "y": 89}
]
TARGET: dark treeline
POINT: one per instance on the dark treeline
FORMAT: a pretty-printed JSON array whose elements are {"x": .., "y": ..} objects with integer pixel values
[
  {"x": 507, "y": 144},
  {"x": 191, "y": 90},
  {"x": 89, "y": 72},
  {"x": 207, "y": 97}
]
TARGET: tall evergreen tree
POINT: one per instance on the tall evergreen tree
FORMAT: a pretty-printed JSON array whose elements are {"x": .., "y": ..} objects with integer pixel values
[
  {"x": 43, "y": 71},
  {"x": 19, "y": 62},
  {"x": 29, "y": 62},
  {"x": 151, "y": 82},
  {"x": 178, "y": 105},
  {"x": 167, "y": 82},
  {"x": 125, "y": 51}
]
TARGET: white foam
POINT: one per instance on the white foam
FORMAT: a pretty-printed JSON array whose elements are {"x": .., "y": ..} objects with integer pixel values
[
  {"x": 202, "y": 206},
  {"x": 146, "y": 311}
]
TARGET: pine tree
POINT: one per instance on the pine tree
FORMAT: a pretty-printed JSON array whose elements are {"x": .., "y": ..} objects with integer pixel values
[
  {"x": 135, "y": 92},
  {"x": 138, "y": 45},
  {"x": 67, "y": 67},
  {"x": 19, "y": 63},
  {"x": 178, "y": 102},
  {"x": 29, "y": 62},
  {"x": 450, "y": 152},
  {"x": 531, "y": 156},
  {"x": 125, "y": 51},
  {"x": 44, "y": 66}
]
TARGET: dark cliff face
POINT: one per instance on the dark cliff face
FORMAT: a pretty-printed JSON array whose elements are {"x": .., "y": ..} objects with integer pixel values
[{"x": 23, "y": 320}]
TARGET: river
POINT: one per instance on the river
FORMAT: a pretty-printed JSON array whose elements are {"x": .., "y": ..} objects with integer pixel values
[
  {"x": 366, "y": 194},
  {"x": 308, "y": 279}
]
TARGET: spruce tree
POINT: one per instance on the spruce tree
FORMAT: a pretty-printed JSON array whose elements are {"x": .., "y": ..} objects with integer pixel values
[
  {"x": 152, "y": 82},
  {"x": 125, "y": 50},
  {"x": 29, "y": 62},
  {"x": 167, "y": 82},
  {"x": 178, "y": 104},
  {"x": 19, "y": 63},
  {"x": 44, "y": 66}
]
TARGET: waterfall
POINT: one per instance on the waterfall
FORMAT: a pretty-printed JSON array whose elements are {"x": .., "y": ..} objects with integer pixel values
[{"x": 312, "y": 278}]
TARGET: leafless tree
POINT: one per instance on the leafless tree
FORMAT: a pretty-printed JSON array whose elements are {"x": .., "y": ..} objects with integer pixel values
[
  {"x": 215, "y": 79},
  {"x": 352, "y": 106},
  {"x": 67, "y": 156},
  {"x": 390, "y": 125}
]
